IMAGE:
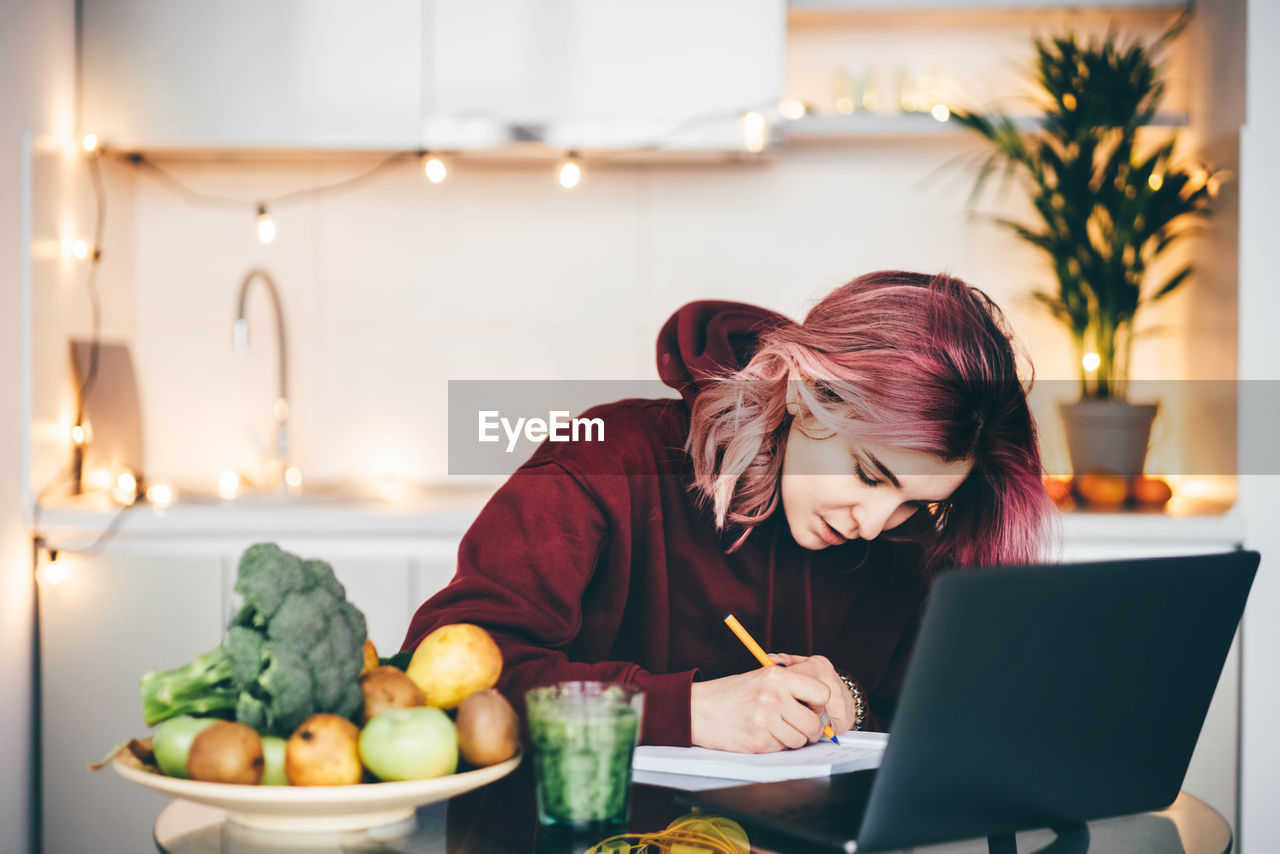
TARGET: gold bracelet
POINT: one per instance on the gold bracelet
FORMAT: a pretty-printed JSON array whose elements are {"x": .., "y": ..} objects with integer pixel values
[{"x": 859, "y": 701}]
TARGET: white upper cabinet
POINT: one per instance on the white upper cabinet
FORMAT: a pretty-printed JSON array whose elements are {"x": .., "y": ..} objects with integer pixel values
[
  {"x": 248, "y": 74},
  {"x": 605, "y": 73},
  {"x": 400, "y": 74}
]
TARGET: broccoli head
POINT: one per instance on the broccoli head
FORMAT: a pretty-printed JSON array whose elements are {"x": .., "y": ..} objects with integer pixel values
[{"x": 295, "y": 647}]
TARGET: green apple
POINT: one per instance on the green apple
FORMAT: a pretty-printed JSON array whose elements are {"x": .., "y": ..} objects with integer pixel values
[
  {"x": 410, "y": 744},
  {"x": 172, "y": 742},
  {"x": 273, "y": 761}
]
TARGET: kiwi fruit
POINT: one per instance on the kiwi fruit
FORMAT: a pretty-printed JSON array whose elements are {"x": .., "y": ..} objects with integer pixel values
[
  {"x": 488, "y": 728},
  {"x": 226, "y": 752}
]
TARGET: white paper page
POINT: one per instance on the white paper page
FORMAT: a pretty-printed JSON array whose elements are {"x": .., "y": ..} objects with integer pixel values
[{"x": 856, "y": 750}]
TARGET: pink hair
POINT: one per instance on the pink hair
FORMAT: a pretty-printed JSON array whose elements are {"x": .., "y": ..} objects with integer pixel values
[{"x": 918, "y": 362}]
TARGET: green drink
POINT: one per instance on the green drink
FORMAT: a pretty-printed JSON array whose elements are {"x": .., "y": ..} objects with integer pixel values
[{"x": 583, "y": 735}]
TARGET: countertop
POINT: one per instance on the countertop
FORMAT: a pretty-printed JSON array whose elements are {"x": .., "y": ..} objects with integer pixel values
[{"x": 446, "y": 512}]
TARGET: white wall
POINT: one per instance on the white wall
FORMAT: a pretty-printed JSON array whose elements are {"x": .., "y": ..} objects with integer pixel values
[
  {"x": 498, "y": 273},
  {"x": 1260, "y": 494},
  {"x": 37, "y": 75}
]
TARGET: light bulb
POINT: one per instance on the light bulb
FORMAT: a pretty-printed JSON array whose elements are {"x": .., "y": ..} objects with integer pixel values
[
  {"x": 940, "y": 112},
  {"x": 1156, "y": 181},
  {"x": 435, "y": 170},
  {"x": 78, "y": 436},
  {"x": 755, "y": 132},
  {"x": 126, "y": 489},
  {"x": 293, "y": 477},
  {"x": 55, "y": 571},
  {"x": 792, "y": 108},
  {"x": 80, "y": 249},
  {"x": 266, "y": 227},
  {"x": 1091, "y": 361},
  {"x": 570, "y": 174},
  {"x": 160, "y": 495},
  {"x": 228, "y": 484},
  {"x": 90, "y": 142}
]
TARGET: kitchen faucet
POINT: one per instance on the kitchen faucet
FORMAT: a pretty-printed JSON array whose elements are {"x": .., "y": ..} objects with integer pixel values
[{"x": 280, "y": 410}]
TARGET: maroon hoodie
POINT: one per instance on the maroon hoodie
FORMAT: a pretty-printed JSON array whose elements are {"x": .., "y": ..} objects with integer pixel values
[{"x": 595, "y": 561}]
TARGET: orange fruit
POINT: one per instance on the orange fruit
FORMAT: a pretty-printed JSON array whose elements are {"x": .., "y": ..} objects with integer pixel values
[
  {"x": 370, "y": 657},
  {"x": 1102, "y": 491},
  {"x": 1151, "y": 491}
]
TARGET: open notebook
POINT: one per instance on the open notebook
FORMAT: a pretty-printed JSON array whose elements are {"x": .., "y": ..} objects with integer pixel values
[{"x": 856, "y": 751}]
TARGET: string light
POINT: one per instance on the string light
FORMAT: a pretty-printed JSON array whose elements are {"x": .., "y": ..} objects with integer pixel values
[
  {"x": 1091, "y": 361},
  {"x": 54, "y": 571},
  {"x": 570, "y": 172},
  {"x": 125, "y": 491},
  {"x": 755, "y": 132},
  {"x": 434, "y": 168},
  {"x": 792, "y": 108},
  {"x": 78, "y": 436},
  {"x": 79, "y": 249},
  {"x": 941, "y": 112},
  {"x": 228, "y": 484},
  {"x": 293, "y": 477},
  {"x": 1156, "y": 181},
  {"x": 90, "y": 142},
  {"x": 160, "y": 495},
  {"x": 266, "y": 226}
]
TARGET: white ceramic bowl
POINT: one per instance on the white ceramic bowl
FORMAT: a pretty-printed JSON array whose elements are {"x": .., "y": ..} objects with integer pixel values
[{"x": 319, "y": 809}]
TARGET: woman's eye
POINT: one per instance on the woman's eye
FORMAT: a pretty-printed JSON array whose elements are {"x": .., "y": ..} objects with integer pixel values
[{"x": 862, "y": 475}]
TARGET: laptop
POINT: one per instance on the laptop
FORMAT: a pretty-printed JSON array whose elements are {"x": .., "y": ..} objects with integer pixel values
[{"x": 1036, "y": 696}]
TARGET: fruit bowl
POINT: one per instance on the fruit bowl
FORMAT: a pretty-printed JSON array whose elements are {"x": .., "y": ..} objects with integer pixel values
[{"x": 318, "y": 809}]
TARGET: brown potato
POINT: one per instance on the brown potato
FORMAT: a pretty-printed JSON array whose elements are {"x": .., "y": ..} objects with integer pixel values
[
  {"x": 226, "y": 752},
  {"x": 488, "y": 729},
  {"x": 323, "y": 751},
  {"x": 387, "y": 688}
]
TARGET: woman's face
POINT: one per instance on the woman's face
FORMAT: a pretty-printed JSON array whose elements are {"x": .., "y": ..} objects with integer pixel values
[{"x": 834, "y": 490}]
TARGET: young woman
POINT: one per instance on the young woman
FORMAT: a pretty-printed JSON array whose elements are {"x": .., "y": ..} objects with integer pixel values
[{"x": 811, "y": 481}]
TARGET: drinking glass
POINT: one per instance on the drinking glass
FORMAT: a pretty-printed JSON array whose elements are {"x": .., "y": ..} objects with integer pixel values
[{"x": 583, "y": 736}]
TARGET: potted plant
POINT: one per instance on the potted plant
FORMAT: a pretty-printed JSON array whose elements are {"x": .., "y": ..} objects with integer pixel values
[{"x": 1107, "y": 209}]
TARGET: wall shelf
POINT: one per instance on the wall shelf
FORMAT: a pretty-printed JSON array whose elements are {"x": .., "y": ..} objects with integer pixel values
[
  {"x": 873, "y": 126},
  {"x": 886, "y": 6}
]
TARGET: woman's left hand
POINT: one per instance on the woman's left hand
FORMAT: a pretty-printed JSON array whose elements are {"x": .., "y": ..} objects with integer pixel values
[{"x": 839, "y": 708}]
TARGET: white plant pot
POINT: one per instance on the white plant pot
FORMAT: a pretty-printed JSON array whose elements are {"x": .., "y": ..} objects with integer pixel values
[{"x": 1108, "y": 435}]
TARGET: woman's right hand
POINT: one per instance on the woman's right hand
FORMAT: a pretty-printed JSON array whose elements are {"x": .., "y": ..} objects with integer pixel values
[{"x": 760, "y": 711}]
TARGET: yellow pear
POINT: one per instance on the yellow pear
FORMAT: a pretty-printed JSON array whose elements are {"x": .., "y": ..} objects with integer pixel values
[{"x": 454, "y": 662}]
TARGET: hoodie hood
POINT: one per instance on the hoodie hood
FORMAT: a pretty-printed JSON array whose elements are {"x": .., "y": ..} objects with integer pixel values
[{"x": 710, "y": 339}]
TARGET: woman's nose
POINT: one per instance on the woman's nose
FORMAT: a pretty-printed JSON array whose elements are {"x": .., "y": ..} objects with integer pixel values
[{"x": 871, "y": 517}]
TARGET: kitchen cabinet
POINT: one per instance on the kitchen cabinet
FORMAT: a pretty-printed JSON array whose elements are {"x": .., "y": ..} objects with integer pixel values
[
  {"x": 443, "y": 74},
  {"x": 587, "y": 74},
  {"x": 114, "y": 617},
  {"x": 240, "y": 74},
  {"x": 155, "y": 602}
]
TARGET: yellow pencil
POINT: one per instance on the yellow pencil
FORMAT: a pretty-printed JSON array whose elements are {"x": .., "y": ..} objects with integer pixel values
[{"x": 750, "y": 643}]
